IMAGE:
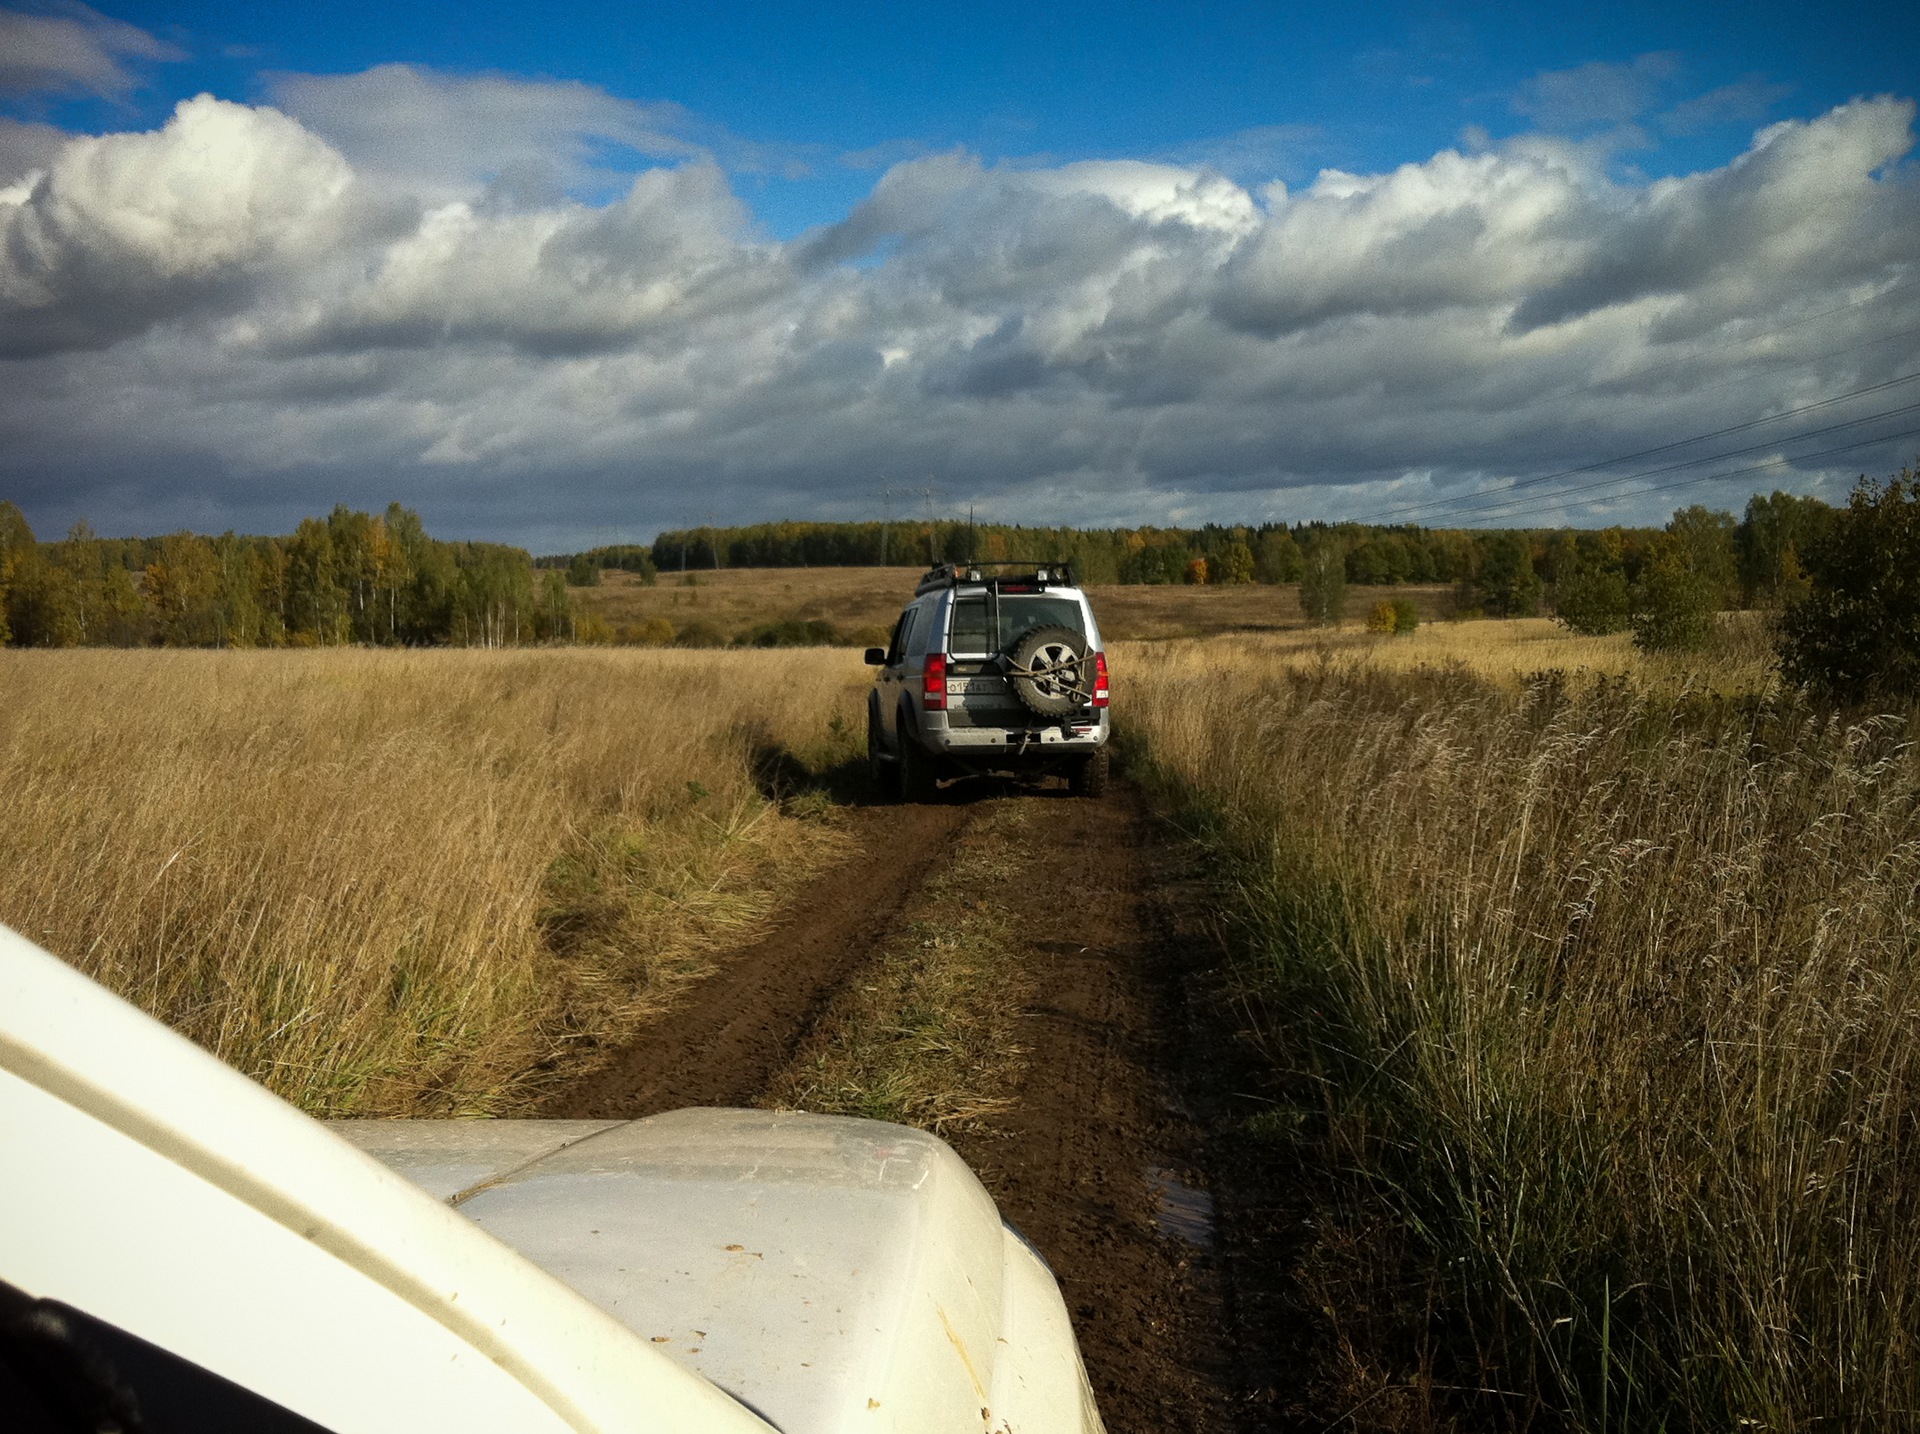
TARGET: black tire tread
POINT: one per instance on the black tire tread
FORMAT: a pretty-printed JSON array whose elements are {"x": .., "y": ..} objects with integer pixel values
[{"x": 1090, "y": 778}]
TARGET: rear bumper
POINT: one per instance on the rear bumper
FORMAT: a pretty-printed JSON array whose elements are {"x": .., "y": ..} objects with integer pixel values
[{"x": 1000, "y": 746}]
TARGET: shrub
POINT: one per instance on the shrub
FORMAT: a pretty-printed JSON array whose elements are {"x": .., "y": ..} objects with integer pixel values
[
  {"x": 1856, "y": 636},
  {"x": 1592, "y": 601},
  {"x": 1380, "y": 617},
  {"x": 791, "y": 632},
  {"x": 648, "y": 632},
  {"x": 1406, "y": 617},
  {"x": 1672, "y": 603}
]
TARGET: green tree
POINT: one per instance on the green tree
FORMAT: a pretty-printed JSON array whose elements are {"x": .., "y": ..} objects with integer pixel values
[
  {"x": 15, "y": 538},
  {"x": 424, "y": 575},
  {"x": 493, "y": 603},
  {"x": 1276, "y": 558},
  {"x": 1705, "y": 539},
  {"x": 183, "y": 589},
  {"x": 554, "y": 619},
  {"x": 43, "y": 602},
  {"x": 316, "y": 604},
  {"x": 1323, "y": 581},
  {"x": 583, "y": 571},
  {"x": 1506, "y": 585},
  {"x": 358, "y": 547},
  {"x": 1234, "y": 565},
  {"x": 1855, "y": 638},
  {"x": 1779, "y": 529}
]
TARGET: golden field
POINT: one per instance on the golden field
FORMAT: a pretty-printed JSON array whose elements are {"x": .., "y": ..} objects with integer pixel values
[
  {"x": 391, "y": 882},
  {"x": 1590, "y": 999},
  {"x": 1593, "y": 1000},
  {"x": 862, "y": 604}
]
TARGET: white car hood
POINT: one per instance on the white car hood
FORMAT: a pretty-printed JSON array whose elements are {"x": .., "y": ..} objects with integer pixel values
[{"x": 829, "y": 1273}]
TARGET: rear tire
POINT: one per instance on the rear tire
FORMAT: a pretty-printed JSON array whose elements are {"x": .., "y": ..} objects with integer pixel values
[
  {"x": 1089, "y": 779},
  {"x": 916, "y": 775},
  {"x": 885, "y": 774}
]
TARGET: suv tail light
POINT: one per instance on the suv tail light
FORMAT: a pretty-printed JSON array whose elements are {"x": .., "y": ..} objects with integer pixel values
[
  {"x": 933, "y": 685},
  {"x": 1099, "y": 679}
]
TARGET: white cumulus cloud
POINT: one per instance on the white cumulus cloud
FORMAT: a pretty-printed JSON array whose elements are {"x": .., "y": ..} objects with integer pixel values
[
  {"x": 123, "y": 230},
  {"x": 234, "y": 315}
]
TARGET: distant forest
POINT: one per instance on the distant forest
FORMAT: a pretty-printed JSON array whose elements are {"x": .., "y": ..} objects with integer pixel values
[
  {"x": 1503, "y": 572},
  {"x": 348, "y": 578},
  {"x": 379, "y": 579}
]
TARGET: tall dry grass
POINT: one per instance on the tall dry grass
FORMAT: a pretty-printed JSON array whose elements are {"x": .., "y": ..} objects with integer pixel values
[
  {"x": 1737, "y": 659},
  {"x": 395, "y": 883},
  {"x": 1597, "y": 1006}
]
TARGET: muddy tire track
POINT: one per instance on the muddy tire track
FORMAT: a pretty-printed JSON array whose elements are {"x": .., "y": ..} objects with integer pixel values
[
  {"x": 1127, "y": 1093},
  {"x": 724, "y": 1041}
]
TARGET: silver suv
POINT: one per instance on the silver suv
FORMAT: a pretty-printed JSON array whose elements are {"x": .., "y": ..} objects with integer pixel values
[{"x": 990, "y": 674}]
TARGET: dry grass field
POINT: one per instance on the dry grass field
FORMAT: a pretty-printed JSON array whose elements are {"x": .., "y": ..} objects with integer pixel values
[
  {"x": 724, "y": 603},
  {"x": 1506, "y": 651},
  {"x": 392, "y": 883},
  {"x": 1593, "y": 998},
  {"x": 862, "y": 603},
  {"x": 1590, "y": 997}
]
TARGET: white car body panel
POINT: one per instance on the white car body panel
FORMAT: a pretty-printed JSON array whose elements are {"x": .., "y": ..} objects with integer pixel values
[{"x": 670, "y": 1273}]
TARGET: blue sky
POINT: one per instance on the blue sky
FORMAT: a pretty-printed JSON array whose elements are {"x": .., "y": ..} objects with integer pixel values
[
  {"x": 547, "y": 273},
  {"x": 1261, "y": 91}
]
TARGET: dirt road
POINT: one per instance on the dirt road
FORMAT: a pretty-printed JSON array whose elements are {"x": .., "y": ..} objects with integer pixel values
[{"x": 1113, "y": 1150}]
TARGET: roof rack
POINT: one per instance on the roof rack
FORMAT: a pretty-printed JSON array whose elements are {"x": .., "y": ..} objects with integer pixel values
[{"x": 1037, "y": 573}]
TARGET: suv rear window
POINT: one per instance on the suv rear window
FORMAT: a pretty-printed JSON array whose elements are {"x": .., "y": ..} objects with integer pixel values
[{"x": 1018, "y": 616}]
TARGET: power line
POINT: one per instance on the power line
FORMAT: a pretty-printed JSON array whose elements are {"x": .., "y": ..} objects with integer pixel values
[
  {"x": 1546, "y": 501},
  {"x": 1412, "y": 509},
  {"x": 1489, "y": 504}
]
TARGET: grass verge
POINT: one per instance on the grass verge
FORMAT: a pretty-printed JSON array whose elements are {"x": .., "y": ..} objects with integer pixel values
[
  {"x": 410, "y": 883},
  {"x": 1590, "y": 1009}
]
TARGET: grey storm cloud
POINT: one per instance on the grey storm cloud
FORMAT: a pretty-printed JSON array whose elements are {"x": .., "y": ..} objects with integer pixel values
[
  {"x": 254, "y": 312},
  {"x": 78, "y": 52}
]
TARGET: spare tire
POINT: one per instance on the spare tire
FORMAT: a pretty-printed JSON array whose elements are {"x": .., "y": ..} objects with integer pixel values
[{"x": 1050, "y": 671}]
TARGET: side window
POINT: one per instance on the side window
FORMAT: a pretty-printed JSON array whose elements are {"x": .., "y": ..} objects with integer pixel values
[{"x": 897, "y": 650}]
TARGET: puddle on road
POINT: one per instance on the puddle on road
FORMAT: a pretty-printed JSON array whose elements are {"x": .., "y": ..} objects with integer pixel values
[{"x": 1181, "y": 1210}]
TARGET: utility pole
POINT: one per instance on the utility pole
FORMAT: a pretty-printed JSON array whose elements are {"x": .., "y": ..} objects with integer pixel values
[
  {"x": 933, "y": 558},
  {"x": 886, "y": 521}
]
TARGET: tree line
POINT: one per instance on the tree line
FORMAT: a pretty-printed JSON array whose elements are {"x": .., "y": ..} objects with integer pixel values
[
  {"x": 351, "y": 577},
  {"x": 1499, "y": 572},
  {"x": 356, "y": 577}
]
